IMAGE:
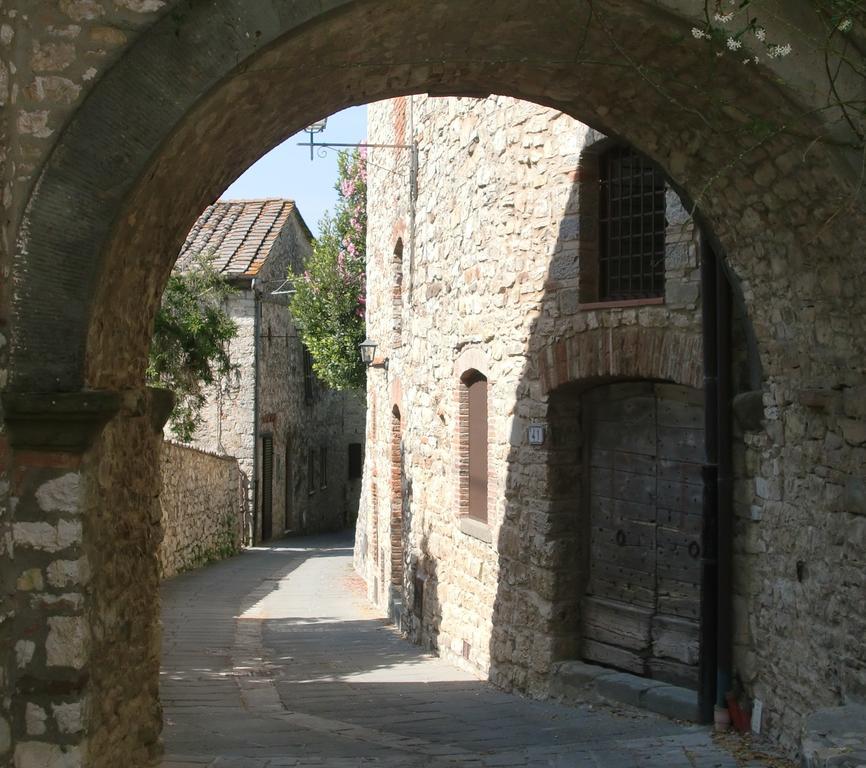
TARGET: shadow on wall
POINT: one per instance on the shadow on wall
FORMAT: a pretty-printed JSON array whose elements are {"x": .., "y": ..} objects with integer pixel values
[{"x": 575, "y": 560}]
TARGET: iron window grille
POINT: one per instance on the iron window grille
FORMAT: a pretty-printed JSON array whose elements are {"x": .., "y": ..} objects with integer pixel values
[{"x": 632, "y": 227}]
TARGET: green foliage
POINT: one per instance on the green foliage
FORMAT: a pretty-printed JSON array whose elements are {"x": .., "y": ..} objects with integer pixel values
[
  {"x": 328, "y": 304},
  {"x": 189, "y": 346}
]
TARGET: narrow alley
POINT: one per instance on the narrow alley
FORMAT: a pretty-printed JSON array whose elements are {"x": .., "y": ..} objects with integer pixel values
[{"x": 274, "y": 658}]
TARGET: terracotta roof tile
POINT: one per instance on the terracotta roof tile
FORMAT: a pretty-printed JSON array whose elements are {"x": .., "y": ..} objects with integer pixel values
[{"x": 240, "y": 233}]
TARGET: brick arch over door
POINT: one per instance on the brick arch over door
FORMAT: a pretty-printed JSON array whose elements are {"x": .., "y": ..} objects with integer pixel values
[
  {"x": 631, "y": 352},
  {"x": 213, "y": 85}
]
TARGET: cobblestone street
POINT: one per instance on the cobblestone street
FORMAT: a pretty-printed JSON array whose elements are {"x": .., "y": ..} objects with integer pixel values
[{"x": 274, "y": 658}]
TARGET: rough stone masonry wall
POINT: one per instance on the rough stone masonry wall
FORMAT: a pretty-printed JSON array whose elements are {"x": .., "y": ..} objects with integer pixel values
[
  {"x": 490, "y": 281},
  {"x": 86, "y": 531},
  {"x": 227, "y": 426},
  {"x": 203, "y": 505},
  {"x": 492, "y": 276},
  {"x": 49, "y": 55}
]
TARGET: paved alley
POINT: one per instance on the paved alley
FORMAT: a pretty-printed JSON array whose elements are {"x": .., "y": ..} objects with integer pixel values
[{"x": 273, "y": 659}]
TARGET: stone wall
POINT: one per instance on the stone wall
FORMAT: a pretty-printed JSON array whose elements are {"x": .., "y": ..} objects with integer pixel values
[
  {"x": 490, "y": 278},
  {"x": 203, "y": 505},
  {"x": 86, "y": 535},
  {"x": 495, "y": 291}
]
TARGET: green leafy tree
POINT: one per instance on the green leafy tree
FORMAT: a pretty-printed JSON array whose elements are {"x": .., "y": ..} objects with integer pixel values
[
  {"x": 189, "y": 349},
  {"x": 329, "y": 299}
]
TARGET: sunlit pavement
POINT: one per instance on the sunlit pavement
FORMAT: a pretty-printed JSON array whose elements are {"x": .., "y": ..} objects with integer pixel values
[{"x": 275, "y": 659}]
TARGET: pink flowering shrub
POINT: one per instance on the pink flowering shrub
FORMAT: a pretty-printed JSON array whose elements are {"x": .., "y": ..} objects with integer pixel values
[{"x": 328, "y": 305}]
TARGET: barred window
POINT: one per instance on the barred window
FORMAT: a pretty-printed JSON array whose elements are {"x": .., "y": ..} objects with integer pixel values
[{"x": 632, "y": 231}]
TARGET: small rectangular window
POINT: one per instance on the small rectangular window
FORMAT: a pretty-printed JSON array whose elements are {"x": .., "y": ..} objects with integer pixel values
[
  {"x": 323, "y": 467},
  {"x": 356, "y": 461}
]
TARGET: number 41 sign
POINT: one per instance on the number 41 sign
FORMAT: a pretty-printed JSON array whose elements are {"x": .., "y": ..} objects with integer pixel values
[{"x": 536, "y": 434}]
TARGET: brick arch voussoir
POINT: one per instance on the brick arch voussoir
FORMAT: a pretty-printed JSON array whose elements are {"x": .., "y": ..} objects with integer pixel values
[{"x": 632, "y": 352}]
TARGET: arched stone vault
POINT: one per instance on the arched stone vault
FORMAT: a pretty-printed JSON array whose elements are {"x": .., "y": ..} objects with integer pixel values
[{"x": 210, "y": 85}]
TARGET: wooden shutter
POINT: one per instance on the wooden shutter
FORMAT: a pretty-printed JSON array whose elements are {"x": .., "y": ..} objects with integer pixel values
[
  {"x": 478, "y": 449},
  {"x": 267, "y": 486}
]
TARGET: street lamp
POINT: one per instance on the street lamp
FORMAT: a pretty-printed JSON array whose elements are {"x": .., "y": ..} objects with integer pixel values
[
  {"x": 368, "y": 351},
  {"x": 313, "y": 129}
]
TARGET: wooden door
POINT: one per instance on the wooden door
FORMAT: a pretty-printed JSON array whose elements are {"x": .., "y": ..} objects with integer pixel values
[{"x": 644, "y": 455}]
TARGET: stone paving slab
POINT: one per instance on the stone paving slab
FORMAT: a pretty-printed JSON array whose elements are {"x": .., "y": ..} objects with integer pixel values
[
  {"x": 273, "y": 659},
  {"x": 835, "y": 736}
]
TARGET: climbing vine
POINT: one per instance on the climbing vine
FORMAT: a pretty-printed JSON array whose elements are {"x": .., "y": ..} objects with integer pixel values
[
  {"x": 329, "y": 299},
  {"x": 740, "y": 27}
]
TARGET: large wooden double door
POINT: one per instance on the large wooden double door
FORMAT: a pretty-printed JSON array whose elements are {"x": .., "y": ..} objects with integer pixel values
[{"x": 643, "y": 459}]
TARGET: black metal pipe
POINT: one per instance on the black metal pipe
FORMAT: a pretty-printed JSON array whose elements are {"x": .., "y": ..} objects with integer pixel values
[
  {"x": 707, "y": 695},
  {"x": 725, "y": 487}
]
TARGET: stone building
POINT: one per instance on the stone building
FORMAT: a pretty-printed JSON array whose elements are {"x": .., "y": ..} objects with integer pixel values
[
  {"x": 292, "y": 436},
  {"x": 122, "y": 119},
  {"x": 534, "y": 495}
]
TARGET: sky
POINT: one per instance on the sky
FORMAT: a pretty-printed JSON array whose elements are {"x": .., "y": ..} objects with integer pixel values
[{"x": 286, "y": 171}]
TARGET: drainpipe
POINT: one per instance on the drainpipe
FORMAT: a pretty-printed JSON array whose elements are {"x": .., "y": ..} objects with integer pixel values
[
  {"x": 254, "y": 480},
  {"x": 716, "y": 663},
  {"x": 725, "y": 488},
  {"x": 707, "y": 697}
]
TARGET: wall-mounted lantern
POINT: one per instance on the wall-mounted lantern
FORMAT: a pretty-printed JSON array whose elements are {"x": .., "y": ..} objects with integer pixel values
[
  {"x": 315, "y": 128},
  {"x": 368, "y": 354}
]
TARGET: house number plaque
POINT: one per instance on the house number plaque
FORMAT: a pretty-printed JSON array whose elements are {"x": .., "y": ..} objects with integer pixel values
[{"x": 536, "y": 434}]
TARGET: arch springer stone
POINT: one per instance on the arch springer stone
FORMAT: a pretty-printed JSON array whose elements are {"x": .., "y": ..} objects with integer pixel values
[{"x": 70, "y": 422}]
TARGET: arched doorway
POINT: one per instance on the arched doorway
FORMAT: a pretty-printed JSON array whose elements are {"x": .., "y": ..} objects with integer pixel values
[{"x": 643, "y": 509}]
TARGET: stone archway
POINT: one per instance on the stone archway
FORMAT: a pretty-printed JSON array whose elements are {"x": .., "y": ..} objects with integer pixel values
[
  {"x": 124, "y": 181},
  {"x": 207, "y": 87}
]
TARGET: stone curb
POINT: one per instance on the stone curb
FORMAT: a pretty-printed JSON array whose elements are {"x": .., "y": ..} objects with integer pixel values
[{"x": 578, "y": 680}]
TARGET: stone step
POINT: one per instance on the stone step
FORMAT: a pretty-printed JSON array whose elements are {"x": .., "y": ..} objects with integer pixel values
[{"x": 578, "y": 680}]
